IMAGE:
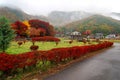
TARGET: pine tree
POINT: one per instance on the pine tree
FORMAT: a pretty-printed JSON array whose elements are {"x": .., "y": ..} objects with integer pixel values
[{"x": 6, "y": 34}]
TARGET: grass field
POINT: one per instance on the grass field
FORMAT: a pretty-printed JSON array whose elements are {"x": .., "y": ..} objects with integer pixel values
[{"x": 15, "y": 49}]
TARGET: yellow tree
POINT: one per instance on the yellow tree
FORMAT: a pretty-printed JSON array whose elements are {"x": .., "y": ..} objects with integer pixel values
[{"x": 27, "y": 23}]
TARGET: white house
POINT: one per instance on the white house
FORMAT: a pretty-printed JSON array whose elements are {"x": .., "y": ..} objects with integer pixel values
[
  {"x": 75, "y": 35},
  {"x": 110, "y": 36}
]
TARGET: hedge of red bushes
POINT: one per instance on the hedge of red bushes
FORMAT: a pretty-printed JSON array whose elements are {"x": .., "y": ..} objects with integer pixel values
[
  {"x": 9, "y": 62},
  {"x": 46, "y": 38}
]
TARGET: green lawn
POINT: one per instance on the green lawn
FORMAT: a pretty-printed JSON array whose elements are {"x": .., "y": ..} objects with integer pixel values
[{"x": 15, "y": 49}]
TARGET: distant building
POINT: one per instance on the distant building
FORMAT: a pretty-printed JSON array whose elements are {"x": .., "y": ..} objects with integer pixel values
[
  {"x": 111, "y": 36},
  {"x": 76, "y": 35},
  {"x": 99, "y": 36}
]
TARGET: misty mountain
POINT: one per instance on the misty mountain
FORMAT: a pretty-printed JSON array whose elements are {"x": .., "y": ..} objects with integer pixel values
[
  {"x": 60, "y": 18},
  {"x": 17, "y": 14},
  {"x": 95, "y": 23},
  {"x": 115, "y": 15},
  {"x": 56, "y": 18}
]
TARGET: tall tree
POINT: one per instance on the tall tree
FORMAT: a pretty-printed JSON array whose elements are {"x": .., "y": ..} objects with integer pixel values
[{"x": 6, "y": 34}]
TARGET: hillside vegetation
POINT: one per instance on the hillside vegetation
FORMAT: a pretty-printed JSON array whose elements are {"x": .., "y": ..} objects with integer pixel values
[
  {"x": 95, "y": 23},
  {"x": 17, "y": 14}
]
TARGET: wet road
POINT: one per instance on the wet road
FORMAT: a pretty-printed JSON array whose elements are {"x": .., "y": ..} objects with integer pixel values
[{"x": 105, "y": 66}]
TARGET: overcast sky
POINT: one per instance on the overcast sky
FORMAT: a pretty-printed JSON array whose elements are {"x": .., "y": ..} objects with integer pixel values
[{"x": 43, "y": 7}]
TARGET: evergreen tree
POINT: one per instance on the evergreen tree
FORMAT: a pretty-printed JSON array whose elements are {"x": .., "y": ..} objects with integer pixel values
[{"x": 6, "y": 34}]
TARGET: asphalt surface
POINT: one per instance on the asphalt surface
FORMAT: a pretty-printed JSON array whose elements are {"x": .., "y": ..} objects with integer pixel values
[{"x": 104, "y": 66}]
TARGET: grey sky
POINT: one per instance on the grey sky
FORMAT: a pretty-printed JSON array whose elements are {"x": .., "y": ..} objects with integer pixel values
[{"x": 45, "y": 6}]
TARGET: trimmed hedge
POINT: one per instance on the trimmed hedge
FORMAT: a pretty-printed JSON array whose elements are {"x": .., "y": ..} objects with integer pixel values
[
  {"x": 46, "y": 38},
  {"x": 11, "y": 62}
]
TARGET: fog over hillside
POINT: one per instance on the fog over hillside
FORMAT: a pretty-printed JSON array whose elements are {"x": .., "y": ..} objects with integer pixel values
[
  {"x": 56, "y": 18},
  {"x": 44, "y": 7}
]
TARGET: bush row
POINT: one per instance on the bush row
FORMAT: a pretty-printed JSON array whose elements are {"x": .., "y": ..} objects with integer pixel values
[
  {"x": 46, "y": 38},
  {"x": 12, "y": 62}
]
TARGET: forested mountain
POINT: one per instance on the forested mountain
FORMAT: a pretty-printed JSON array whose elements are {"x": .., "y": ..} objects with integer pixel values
[
  {"x": 56, "y": 18},
  {"x": 95, "y": 23},
  {"x": 17, "y": 14}
]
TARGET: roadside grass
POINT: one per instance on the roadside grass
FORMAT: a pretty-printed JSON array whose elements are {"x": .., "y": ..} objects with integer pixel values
[
  {"x": 118, "y": 41},
  {"x": 112, "y": 40}
]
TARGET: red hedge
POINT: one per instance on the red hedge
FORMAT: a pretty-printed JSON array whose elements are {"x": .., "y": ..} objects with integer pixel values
[
  {"x": 46, "y": 38},
  {"x": 9, "y": 62}
]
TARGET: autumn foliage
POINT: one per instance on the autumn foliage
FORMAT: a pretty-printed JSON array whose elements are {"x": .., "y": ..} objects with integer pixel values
[
  {"x": 34, "y": 47},
  {"x": 46, "y": 38},
  {"x": 87, "y": 32},
  {"x": 45, "y": 26},
  {"x": 20, "y": 28},
  {"x": 33, "y": 28},
  {"x": 11, "y": 62}
]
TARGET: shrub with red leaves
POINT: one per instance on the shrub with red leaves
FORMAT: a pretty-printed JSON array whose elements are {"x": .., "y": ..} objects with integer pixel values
[
  {"x": 20, "y": 43},
  {"x": 34, "y": 47},
  {"x": 11, "y": 62},
  {"x": 46, "y": 38},
  {"x": 56, "y": 43},
  {"x": 71, "y": 41}
]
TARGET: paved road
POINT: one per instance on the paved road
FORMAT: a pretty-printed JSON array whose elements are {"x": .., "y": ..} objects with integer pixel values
[{"x": 105, "y": 66}]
